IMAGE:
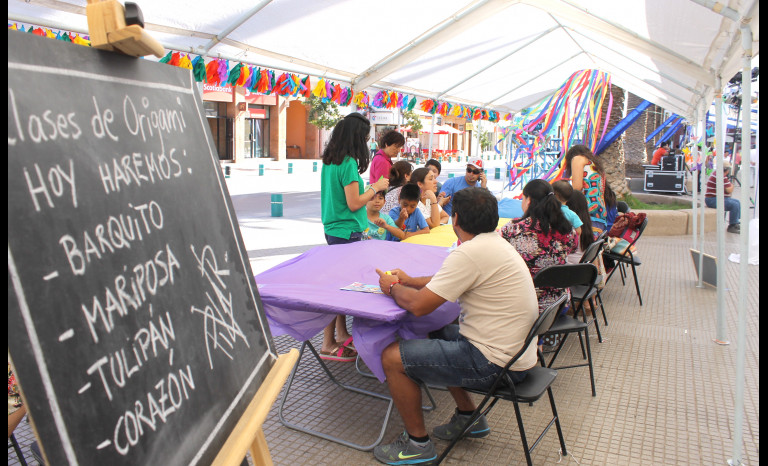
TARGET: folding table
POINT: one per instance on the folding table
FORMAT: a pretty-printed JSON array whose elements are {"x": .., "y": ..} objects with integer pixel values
[{"x": 303, "y": 295}]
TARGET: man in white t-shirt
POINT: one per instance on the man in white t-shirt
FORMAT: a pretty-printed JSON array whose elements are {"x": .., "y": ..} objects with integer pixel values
[{"x": 498, "y": 307}]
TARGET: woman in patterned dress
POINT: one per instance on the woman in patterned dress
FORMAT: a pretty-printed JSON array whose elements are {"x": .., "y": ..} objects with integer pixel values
[
  {"x": 542, "y": 236},
  {"x": 588, "y": 176}
]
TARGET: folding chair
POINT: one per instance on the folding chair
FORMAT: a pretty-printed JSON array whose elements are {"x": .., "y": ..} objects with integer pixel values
[
  {"x": 626, "y": 258},
  {"x": 568, "y": 276},
  {"x": 579, "y": 292},
  {"x": 538, "y": 380},
  {"x": 17, "y": 449},
  {"x": 622, "y": 207}
]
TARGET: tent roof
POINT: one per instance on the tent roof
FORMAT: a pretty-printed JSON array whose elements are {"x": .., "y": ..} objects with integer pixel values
[{"x": 505, "y": 55}]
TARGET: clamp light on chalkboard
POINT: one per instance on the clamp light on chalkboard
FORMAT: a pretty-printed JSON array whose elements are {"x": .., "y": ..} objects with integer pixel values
[{"x": 117, "y": 28}]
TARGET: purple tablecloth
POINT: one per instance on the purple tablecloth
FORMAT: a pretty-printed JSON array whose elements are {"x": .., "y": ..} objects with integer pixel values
[{"x": 302, "y": 295}]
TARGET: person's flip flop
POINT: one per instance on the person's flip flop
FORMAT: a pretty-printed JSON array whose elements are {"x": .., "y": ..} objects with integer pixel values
[
  {"x": 340, "y": 354},
  {"x": 349, "y": 344}
]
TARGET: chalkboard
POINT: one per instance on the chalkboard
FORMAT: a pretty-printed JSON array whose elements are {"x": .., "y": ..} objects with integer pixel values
[
  {"x": 134, "y": 323},
  {"x": 708, "y": 266}
]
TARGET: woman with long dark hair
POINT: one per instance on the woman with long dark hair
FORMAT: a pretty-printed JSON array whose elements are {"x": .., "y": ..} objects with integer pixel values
[
  {"x": 588, "y": 176},
  {"x": 433, "y": 213},
  {"x": 578, "y": 204},
  {"x": 542, "y": 236},
  {"x": 343, "y": 197},
  {"x": 399, "y": 175},
  {"x": 611, "y": 207}
]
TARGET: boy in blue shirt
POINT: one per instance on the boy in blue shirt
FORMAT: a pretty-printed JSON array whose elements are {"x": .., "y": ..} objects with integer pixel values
[
  {"x": 380, "y": 225},
  {"x": 474, "y": 175},
  {"x": 563, "y": 191},
  {"x": 408, "y": 217}
]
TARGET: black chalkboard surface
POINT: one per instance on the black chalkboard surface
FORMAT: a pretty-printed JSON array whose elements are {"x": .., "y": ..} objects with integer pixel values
[{"x": 134, "y": 323}]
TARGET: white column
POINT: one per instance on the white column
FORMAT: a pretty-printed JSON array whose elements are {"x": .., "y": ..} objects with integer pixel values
[
  {"x": 704, "y": 179},
  {"x": 432, "y": 132},
  {"x": 746, "y": 145},
  {"x": 721, "y": 336},
  {"x": 695, "y": 184}
]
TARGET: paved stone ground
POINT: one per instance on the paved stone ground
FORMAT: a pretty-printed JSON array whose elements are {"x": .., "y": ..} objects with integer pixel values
[{"x": 665, "y": 390}]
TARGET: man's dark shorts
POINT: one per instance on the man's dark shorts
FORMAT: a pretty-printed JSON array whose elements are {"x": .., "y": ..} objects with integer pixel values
[{"x": 448, "y": 359}]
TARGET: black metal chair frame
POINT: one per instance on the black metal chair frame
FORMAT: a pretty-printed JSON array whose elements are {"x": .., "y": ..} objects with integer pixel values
[
  {"x": 567, "y": 276},
  {"x": 627, "y": 258},
  {"x": 538, "y": 380},
  {"x": 589, "y": 257},
  {"x": 17, "y": 448}
]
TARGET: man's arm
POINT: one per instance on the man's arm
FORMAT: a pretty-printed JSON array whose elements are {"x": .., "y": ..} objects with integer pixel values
[
  {"x": 727, "y": 185},
  {"x": 418, "y": 301},
  {"x": 405, "y": 279}
]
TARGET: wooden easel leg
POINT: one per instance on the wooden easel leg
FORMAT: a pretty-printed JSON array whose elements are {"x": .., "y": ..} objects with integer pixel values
[{"x": 260, "y": 450}]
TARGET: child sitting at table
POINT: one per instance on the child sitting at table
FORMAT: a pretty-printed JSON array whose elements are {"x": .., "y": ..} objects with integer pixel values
[
  {"x": 380, "y": 225},
  {"x": 408, "y": 217},
  {"x": 563, "y": 192}
]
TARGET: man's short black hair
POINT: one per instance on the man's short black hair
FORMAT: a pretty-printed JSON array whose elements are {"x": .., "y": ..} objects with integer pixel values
[
  {"x": 476, "y": 210},
  {"x": 435, "y": 163},
  {"x": 410, "y": 192}
]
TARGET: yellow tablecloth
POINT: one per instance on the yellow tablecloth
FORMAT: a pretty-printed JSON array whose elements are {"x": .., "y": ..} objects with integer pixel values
[{"x": 442, "y": 235}]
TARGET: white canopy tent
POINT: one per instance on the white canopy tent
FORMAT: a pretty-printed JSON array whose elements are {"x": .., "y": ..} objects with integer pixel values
[{"x": 503, "y": 55}]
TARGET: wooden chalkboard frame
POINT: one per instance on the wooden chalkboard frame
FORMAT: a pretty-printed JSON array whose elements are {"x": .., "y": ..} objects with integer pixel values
[
  {"x": 709, "y": 267},
  {"x": 48, "y": 74}
]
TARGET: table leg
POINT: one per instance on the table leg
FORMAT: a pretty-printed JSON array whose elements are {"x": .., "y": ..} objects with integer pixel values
[{"x": 323, "y": 435}]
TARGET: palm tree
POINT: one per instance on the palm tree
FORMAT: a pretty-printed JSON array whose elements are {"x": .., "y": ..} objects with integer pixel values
[
  {"x": 634, "y": 140},
  {"x": 653, "y": 119},
  {"x": 613, "y": 156}
]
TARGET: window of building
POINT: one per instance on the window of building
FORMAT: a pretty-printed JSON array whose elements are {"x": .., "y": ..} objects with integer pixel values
[
  {"x": 222, "y": 128},
  {"x": 256, "y": 132}
]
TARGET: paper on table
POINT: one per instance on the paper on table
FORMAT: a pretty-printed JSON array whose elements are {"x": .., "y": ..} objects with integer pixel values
[{"x": 357, "y": 286}]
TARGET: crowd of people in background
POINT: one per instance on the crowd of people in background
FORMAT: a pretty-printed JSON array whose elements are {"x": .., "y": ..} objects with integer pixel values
[{"x": 399, "y": 201}]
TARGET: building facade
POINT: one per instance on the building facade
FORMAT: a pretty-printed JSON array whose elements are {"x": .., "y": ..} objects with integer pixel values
[{"x": 246, "y": 125}]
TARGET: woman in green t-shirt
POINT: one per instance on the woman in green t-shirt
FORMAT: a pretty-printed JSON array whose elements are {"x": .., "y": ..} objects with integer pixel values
[{"x": 342, "y": 199}]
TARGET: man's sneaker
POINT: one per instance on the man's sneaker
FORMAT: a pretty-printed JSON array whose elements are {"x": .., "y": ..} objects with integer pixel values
[
  {"x": 735, "y": 228},
  {"x": 449, "y": 431},
  {"x": 402, "y": 451}
]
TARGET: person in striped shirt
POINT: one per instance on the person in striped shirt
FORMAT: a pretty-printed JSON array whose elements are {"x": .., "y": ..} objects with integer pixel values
[{"x": 732, "y": 206}]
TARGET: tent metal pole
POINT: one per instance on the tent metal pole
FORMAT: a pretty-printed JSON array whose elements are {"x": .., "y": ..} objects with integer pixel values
[
  {"x": 636, "y": 62},
  {"x": 477, "y": 133},
  {"x": 432, "y": 132},
  {"x": 701, "y": 122},
  {"x": 532, "y": 79},
  {"x": 746, "y": 146},
  {"x": 586, "y": 19},
  {"x": 695, "y": 157},
  {"x": 756, "y": 177},
  {"x": 720, "y": 335},
  {"x": 665, "y": 94},
  {"x": 227, "y": 31},
  {"x": 719, "y": 8},
  {"x": 448, "y": 28},
  {"x": 498, "y": 61}
]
